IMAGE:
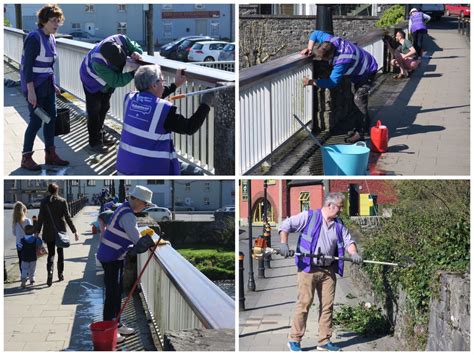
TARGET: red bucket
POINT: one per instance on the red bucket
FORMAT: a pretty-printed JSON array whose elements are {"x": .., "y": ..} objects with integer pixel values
[{"x": 104, "y": 335}]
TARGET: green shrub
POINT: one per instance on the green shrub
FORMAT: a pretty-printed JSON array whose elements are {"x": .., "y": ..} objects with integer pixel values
[
  {"x": 393, "y": 15},
  {"x": 367, "y": 321}
]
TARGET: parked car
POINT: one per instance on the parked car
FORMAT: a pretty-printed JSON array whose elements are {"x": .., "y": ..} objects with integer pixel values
[
  {"x": 169, "y": 50},
  {"x": 206, "y": 51},
  {"x": 184, "y": 48},
  {"x": 84, "y": 37},
  {"x": 463, "y": 10},
  {"x": 226, "y": 209},
  {"x": 8, "y": 205},
  {"x": 159, "y": 214},
  {"x": 34, "y": 204},
  {"x": 180, "y": 206},
  {"x": 227, "y": 53}
]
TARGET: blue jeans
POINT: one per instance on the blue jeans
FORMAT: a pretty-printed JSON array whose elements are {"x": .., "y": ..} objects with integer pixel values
[{"x": 47, "y": 103}]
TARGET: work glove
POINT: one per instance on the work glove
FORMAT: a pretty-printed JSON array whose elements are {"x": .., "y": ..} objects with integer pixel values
[
  {"x": 284, "y": 250},
  {"x": 208, "y": 99},
  {"x": 356, "y": 258},
  {"x": 143, "y": 244}
]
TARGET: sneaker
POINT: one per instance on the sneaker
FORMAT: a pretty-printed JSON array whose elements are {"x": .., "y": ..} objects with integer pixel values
[
  {"x": 108, "y": 142},
  {"x": 120, "y": 338},
  {"x": 32, "y": 281},
  {"x": 23, "y": 283},
  {"x": 124, "y": 330},
  {"x": 357, "y": 137},
  {"x": 351, "y": 133},
  {"x": 60, "y": 277},
  {"x": 294, "y": 346},
  {"x": 328, "y": 347},
  {"x": 49, "y": 282},
  {"x": 97, "y": 149}
]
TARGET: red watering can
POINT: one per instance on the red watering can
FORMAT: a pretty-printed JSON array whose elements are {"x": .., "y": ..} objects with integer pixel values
[{"x": 379, "y": 138}]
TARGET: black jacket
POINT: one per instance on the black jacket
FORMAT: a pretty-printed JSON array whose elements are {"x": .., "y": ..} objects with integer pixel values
[{"x": 59, "y": 211}]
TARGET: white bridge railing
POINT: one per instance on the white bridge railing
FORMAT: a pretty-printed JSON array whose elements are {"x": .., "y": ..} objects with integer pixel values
[
  {"x": 269, "y": 96},
  {"x": 197, "y": 149},
  {"x": 179, "y": 296}
]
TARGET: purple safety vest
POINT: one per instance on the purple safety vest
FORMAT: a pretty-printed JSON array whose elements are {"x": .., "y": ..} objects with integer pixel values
[
  {"x": 361, "y": 63},
  {"x": 90, "y": 79},
  {"x": 308, "y": 240},
  {"x": 115, "y": 242},
  {"x": 146, "y": 148},
  {"x": 43, "y": 66},
  {"x": 417, "y": 22}
]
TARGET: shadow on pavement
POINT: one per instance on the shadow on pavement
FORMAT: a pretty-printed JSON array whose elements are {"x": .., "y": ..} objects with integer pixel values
[{"x": 263, "y": 331}]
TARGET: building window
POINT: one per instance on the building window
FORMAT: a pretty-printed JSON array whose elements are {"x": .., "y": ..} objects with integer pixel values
[
  {"x": 206, "y": 201},
  {"x": 215, "y": 29},
  {"x": 154, "y": 182},
  {"x": 199, "y": 6},
  {"x": 122, "y": 28},
  {"x": 74, "y": 182},
  {"x": 121, "y": 8},
  {"x": 89, "y": 8},
  {"x": 167, "y": 6},
  {"x": 90, "y": 182},
  {"x": 76, "y": 26},
  {"x": 128, "y": 182},
  {"x": 304, "y": 201},
  {"x": 207, "y": 186},
  {"x": 187, "y": 186},
  {"x": 167, "y": 30}
]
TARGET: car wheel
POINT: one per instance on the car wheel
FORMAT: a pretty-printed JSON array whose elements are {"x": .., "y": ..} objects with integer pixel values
[
  {"x": 209, "y": 59},
  {"x": 165, "y": 219}
]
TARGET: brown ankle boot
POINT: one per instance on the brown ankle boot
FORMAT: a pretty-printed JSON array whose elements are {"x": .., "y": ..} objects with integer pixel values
[
  {"x": 28, "y": 163},
  {"x": 53, "y": 159}
]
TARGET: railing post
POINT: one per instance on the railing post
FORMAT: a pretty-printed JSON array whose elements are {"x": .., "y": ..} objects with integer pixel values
[
  {"x": 241, "y": 282},
  {"x": 224, "y": 131}
]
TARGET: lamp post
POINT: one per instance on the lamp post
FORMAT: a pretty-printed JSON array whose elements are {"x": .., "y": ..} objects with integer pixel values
[{"x": 251, "y": 280}]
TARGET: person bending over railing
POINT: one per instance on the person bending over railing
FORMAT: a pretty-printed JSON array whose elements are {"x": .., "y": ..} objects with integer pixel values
[
  {"x": 349, "y": 60},
  {"x": 146, "y": 144}
]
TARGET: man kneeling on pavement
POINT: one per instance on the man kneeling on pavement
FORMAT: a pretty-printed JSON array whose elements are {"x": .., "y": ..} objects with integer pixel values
[
  {"x": 404, "y": 55},
  {"x": 319, "y": 229}
]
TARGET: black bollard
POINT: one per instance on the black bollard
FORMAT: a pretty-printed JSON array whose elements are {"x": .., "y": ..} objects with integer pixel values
[
  {"x": 241, "y": 282},
  {"x": 251, "y": 281},
  {"x": 261, "y": 267}
]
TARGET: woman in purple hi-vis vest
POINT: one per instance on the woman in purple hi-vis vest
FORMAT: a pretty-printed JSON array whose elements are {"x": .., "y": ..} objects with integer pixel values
[
  {"x": 321, "y": 230},
  {"x": 417, "y": 27},
  {"x": 38, "y": 86}
]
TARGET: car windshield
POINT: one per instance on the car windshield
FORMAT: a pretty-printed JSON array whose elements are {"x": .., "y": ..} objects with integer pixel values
[{"x": 229, "y": 48}]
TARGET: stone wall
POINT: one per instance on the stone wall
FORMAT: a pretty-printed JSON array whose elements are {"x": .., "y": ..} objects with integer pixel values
[
  {"x": 449, "y": 318},
  {"x": 450, "y": 314},
  {"x": 276, "y": 36}
]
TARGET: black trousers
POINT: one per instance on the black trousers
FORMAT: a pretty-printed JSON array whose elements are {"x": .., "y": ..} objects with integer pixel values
[
  {"x": 361, "y": 100},
  {"x": 418, "y": 37},
  {"x": 97, "y": 105},
  {"x": 19, "y": 261},
  {"x": 113, "y": 281},
  {"x": 51, "y": 253}
]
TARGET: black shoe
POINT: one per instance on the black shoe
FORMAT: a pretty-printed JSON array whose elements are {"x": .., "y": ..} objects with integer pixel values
[
  {"x": 357, "y": 137},
  {"x": 350, "y": 133},
  {"x": 98, "y": 148},
  {"x": 60, "y": 277},
  {"x": 50, "y": 279},
  {"x": 108, "y": 142}
]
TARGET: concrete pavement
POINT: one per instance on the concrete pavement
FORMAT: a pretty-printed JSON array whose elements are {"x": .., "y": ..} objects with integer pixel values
[
  {"x": 266, "y": 322},
  {"x": 57, "y": 318}
]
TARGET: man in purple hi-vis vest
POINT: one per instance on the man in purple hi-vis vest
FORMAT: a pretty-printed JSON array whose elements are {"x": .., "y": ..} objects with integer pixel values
[
  {"x": 417, "y": 28},
  {"x": 347, "y": 59},
  {"x": 320, "y": 229}
]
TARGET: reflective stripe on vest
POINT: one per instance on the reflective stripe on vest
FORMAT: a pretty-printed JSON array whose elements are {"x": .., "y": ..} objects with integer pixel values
[{"x": 148, "y": 153}]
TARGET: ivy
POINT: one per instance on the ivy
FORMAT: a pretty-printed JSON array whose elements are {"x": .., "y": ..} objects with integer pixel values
[{"x": 430, "y": 224}]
